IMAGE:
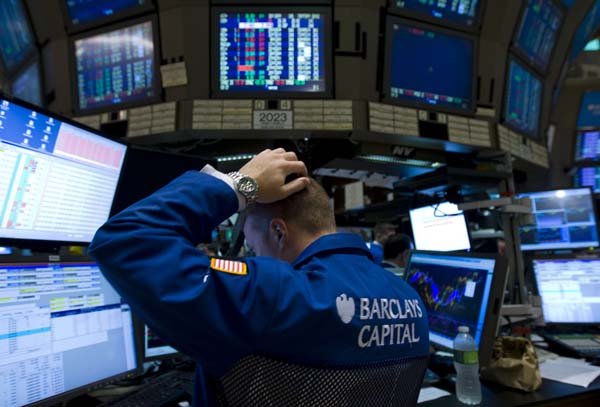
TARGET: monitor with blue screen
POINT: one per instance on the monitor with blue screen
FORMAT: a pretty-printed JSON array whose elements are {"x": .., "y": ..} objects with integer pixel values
[
  {"x": 537, "y": 32},
  {"x": 271, "y": 52},
  {"x": 117, "y": 67},
  {"x": 588, "y": 177},
  {"x": 565, "y": 219},
  {"x": 459, "y": 13},
  {"x": 429, "y": 67},
  {"x": 82, "y": 14},
  {"x": 568, "y": 3},
  {"x": 17, "y": 43},
  {"x": 65, "y": 330},
  {"x": 459, "y": 290},
  {"x": 587, "y": 146},
  {"x": 58, "y": 178},
  {"x": 589, "y": 110},
  {"x": 522, "y": 99},
  {"x": 585, "y": 29},
  {"x": 569, "y": 289},
  {"x": 27, "y": 85}
]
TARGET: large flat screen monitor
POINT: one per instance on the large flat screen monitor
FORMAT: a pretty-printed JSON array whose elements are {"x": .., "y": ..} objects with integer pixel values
[
  {"x": 588, "y": 177},
  {"x": 27, "y": 85},
  {"x": 570, "y": 289},
  {"x": 587, "y": 145},
  {"x": 63, "y": 330},
  {"x": 429, "y": 67},
  {"x": 589, "y": 111},
  {"x": 81, "y": 14},
  {"x": 457, "y": 13},
  {"x": 440, "y": 228},
  {"x": 57, "y": 178},
  {"x": 522, "y": 99},
  {"x": 117, "y": 67},
  {"x": 459, "y": 290},
  {"x": 589, "y": 25},
  {"x": 16, "y": 38},
  {"x": 537, "y": 31},
  {"x": 565, "y": 219},
  {"x": 271, "y": 52}
]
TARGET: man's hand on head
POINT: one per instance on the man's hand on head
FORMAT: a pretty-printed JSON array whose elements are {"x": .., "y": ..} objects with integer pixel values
[{"x": 270, "y": 169}]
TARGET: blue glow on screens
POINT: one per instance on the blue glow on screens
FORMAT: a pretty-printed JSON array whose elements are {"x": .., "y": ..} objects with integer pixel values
[
  {"x": 589, "y": 110},
  {"x": 588, "y": 177},
  {"x": 539, "y": 27},
  {"x": 85, "y": 11},
  {"x": 463, "y": 12},
  {"x": 588, "y": 146},
  {"x": 116, "y": 67},
  {"x": 565, "y": 219},
  {"x": 455, "y": 291},
  {"x": 588, "y": 26},
  {"x": 272, "y": 52},
  {"x": 27, "y": 86},
  {"x": 568, "y": 3},
  {"x": 431, "y": 68},
  {"x": 16, "y": 38},
  {"x": 523, "y": 99}
]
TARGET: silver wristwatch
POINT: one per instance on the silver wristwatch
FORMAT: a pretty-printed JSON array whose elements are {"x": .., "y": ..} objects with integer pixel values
[{"x": 246, "y": 186}]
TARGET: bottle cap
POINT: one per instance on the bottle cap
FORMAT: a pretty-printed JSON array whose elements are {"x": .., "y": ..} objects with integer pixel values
[{"x": 463, "y": 329}]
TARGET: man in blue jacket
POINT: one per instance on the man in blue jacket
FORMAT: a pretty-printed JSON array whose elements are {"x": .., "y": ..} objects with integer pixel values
[{"x": 311, "y": 298}]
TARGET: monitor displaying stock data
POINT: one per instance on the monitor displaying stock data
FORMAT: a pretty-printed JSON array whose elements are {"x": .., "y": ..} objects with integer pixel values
[
  {"x": 587, "y": 146},
  {"x": 440, "y": 228},
  {"x": 267, "y": 51},
  {"x": 117, "y": 68},
  {"x": 16, "y": 38},
  {"x": 537, "y": 31},
  {"x": 429, "y": 67},
  {"x": 462, "y": 13},
  {"x": 27, "y": 85},
  {"x": 62, "y": 329},
  {"x": 589, "y": 111},
  {"x": 57, "y": 180},
  {"x": 570, "y": 290},
  {"x": 588, "y": 177},
  {"x": 84, "y": 13},
  {"x": 522, "y": 99},
  {"x": 564, "y": 219}
]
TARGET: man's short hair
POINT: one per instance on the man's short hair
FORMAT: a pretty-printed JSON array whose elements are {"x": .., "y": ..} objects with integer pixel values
[
  {"x": 396, "y": 245},
  {"x": 383, "y": 230},
  {"x": 309, "y": 210}
]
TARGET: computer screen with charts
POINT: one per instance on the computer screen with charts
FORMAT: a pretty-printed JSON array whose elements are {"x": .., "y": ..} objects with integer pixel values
[
  {"x": 57, "y": 178},
  {"x": 441, "y": 227},
  {"x": 565, "y": 219},
  {"x": 459, "y": 290},
  {"x": 587, "y": 145},
  {"x": 522, "y": 99},
  {"x": 63, "y": 329},
  {"x": 570, "y": 289}
]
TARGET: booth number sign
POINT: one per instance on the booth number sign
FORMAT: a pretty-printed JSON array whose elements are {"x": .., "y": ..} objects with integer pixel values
[{"x": 273, "y": 119}]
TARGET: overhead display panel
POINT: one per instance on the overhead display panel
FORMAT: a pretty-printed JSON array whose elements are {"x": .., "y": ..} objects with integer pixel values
[
  {"x": 522, "y": 99},
  {"x": 83, "y": 14},
  {"x": 430, "y": 67},
  {"x": 117, "y": 68},
  {"x": 589, "y": 111},
  {"x": 589, "y": 25},
  {"x": 461, "y": 13},
  {"x": 272, "y": 52},
  {"x": 537, "y": 32},
  {"x": 27, "y": 85},
  {"x": 16, "y": 38}
]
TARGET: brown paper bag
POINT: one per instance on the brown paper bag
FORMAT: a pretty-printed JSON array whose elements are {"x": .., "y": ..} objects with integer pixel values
[{"x": 514, "y": 364}]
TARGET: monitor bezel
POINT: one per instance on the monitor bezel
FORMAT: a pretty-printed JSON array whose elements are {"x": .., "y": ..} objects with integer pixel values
[
  {"x": 387, "y": 77},
  {"x": 322, "y": 9},
  {"x": 475, "y": 28},
  {"x": 156, "y": 80},
  {"x": 533, "y": 136},
  {"x": 30, "y": 53},
  {"x": 34, "y": 243},
  {"x": 522, "y": 54},
  {"x": 550, "y": 257},
  {"x": 140, "y": 342},
  {"x": 36, "y": 60},
  {"x": 433, "y": 251},
  {"x": 520, "y": 195},
  {"x": 495, "y": 298},
  {"x": 73, "y": 28},
  {"x": 70, "y": 394}
]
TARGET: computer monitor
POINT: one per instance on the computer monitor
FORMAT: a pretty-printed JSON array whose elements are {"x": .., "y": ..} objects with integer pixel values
[
  {"x": 274, "y": 52},
  {"x": 565, "y": 219},
  {"x": 568, "y": 3},
  {"x": 117, "y": 67},
  {"x": 429, "y": 67},
  {"x": 537, "y": 31},
  {"x": 58, "y": 178},
  {"x": 463, "y": 14},
  {"x": 459, "y": 290},
  {"x": 522, "y": 99},
  {"x": 155, "y": 348},
  {"x": 17, "y": 43},
  {"x": 63, "y": 330},
  {"x": 82, "y": 14},
  {"x": 587, "y": 145},
  {"x": 441, "y": 227},
  {"x": 569, "y": 288},
  {"x": 588, "y": 177},
  {"x": 585, "y": 30},
  {"x": 27, "y": 85},
  {"x": 589, "y": 111}
]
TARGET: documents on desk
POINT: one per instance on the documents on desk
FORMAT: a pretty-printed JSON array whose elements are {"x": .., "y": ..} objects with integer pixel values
[
  {"x": 431, "y": 393},
  {"x": 571, "y": 371}
]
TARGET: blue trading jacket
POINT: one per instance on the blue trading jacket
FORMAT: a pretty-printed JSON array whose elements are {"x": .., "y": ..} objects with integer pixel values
[{"x": 332, "y": 306}]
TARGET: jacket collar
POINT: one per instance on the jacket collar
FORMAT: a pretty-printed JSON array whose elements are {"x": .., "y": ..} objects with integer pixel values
[{"x": 338, "y": 242}]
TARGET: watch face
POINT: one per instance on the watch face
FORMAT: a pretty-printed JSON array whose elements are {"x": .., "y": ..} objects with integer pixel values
[{"x": 247, "y": 185}]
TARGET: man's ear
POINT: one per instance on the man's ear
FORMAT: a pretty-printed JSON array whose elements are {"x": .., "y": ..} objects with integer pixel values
[{"x": 279, "y": 231}]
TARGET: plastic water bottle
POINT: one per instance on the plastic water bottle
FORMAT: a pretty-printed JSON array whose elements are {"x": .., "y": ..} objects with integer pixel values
[{"x": 466, "y": 363}]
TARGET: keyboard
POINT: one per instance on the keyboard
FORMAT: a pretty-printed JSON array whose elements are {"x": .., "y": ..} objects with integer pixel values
[
  {"x": 586, "y": 345},
  {"x": 160, "y": 391}
]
